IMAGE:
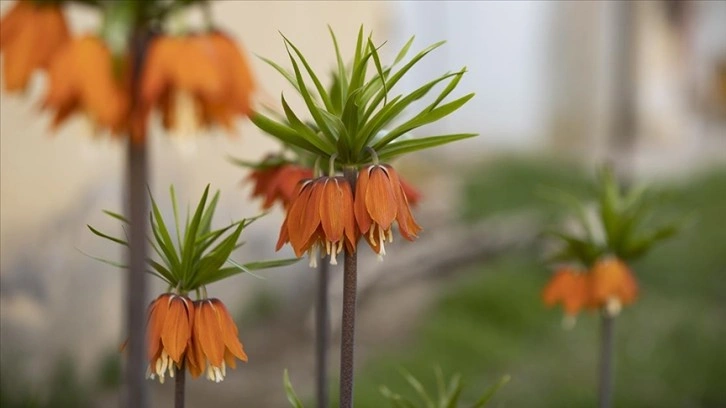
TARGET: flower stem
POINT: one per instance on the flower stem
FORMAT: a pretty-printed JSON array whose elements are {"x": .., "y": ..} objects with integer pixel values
[
  {"x": 605, "y": 397},
  {"x": 347, "y": 341},
  {"x": 137, "y": 207},
  {"x": 179, "y": 386},
  {"x": 322, "y": 336}
]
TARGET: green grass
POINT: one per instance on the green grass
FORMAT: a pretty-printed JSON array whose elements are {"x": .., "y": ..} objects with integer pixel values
[{"x": 669, "y": 345}]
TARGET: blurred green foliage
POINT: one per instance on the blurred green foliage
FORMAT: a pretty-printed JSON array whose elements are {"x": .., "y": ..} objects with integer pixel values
[
  {"x": 62, "y": 388},
  {"x": 669, "y": 344}
]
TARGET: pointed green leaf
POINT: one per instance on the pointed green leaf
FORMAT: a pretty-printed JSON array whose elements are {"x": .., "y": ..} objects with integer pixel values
[
  {"x": 379, "y": 68},
  {"x": 342, "y": 81},
  {"x": 402, "y": 54},
  {"x": 116, "y": 215},
  {"x": 303, "y": 130},
  {"x": 290, "y": 392},
  {"x": 423, "y": 119},
  {"x": 273, "y": 263},
  {"x": 284, "y": 133},
  {"x": 407, "y": 146},
  {"x": 489, "y": 393},
  {"x": 309, "y": 102},
  {"x": 108, "y": 237},
  {"x": 318, "y": 85}
]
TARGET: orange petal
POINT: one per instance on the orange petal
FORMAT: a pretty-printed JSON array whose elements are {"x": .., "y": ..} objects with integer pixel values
[
  {"x": 296, "y": 216},
  {"x": 380, "y": 198},
  {"x": 209, "y": 333},
  {"x": 177, "y": 330},
  {"x": 229, "y": 331},
  {"x": 331, "y": 209},
  {"x": 359, "y": 205},
  {"x": 157, "y": 316}
]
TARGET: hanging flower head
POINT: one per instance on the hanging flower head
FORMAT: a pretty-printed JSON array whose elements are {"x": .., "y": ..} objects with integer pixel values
[
  {"x": 169, "y": 331},
  {"x": 197, "y": 81},
  {"x": 320, "y": 219},
  {"x": 215, "y": 341},
  {"x": 82, "y": 80},
  {"x": 30, "y": 34},
  {"x": 571, "y": 288},
  {"x": 379, "y": 201},
  {"x": 607, "y": 282},
  {"x": 613, "y": 285}
]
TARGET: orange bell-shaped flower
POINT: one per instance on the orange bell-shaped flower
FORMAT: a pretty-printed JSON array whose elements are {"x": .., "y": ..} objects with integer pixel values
[
  {"x": 197, "y": 81},
  {"x": 278, "y": 183},
  {"x": 81, "y": 79},
  {"x": 570, "y": 287},
  {"x": 171, "y": 318},
  {"x": 30, "y": 34},
  {"x": 215, "y": 341},
  {"x": 320, "y": 218},
  {"x": 379, "y": 201},
  {"x": 613, "y": 285}
]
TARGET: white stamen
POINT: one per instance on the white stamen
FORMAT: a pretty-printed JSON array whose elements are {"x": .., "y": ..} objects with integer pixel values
[
  {"x": 568, "y": 322},
  {"x": 613, "y": 306},
  {"x": 313, "y": 254}
]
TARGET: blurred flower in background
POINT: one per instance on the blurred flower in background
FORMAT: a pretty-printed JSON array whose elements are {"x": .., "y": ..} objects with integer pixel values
[{"x": 30, "y": 34}]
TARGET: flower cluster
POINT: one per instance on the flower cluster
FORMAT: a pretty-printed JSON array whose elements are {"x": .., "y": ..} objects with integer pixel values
[
  {"x": 325, "y": 216},
  {"x": 606, "y": 282},
  {"x": 607, "y": 286},
  {"x": 200, "y": 336},
  {"x": 197, "y": 80}
]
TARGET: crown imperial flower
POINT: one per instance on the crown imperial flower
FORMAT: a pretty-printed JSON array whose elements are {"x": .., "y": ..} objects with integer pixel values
[
  {"x": 215, "y": 343},
  {"x": 197, "y": 81},
  {"x": 569, "y": 287},
  {"x": 320, "y": 218},
  {"x": 30, "y": 34},
  {"x": 81, "y": 79},
  {"x": 379, "y": 201},
  {"x": 613, "y": 285},
  {"x": 171, "y": 318}
]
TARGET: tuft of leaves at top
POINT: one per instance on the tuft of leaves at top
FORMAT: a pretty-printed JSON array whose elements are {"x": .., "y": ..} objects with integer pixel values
[
  {"x": 621, "y": 217},
  {"x": 196, "y": 255},
  {"x": 348, "y": 116}
]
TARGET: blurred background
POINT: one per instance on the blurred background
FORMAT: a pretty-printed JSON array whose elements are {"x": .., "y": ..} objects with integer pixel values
[{"x": 562, "y": 87}]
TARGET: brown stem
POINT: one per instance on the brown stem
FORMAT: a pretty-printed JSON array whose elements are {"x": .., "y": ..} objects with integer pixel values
[
  {"x": 179, "y": 387},
  {"x": 138, "y": 209},
  {"x": 347, "y": 341},
  {"x": 605, "y": 391},
  {"x": 322, "y": 333}
]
